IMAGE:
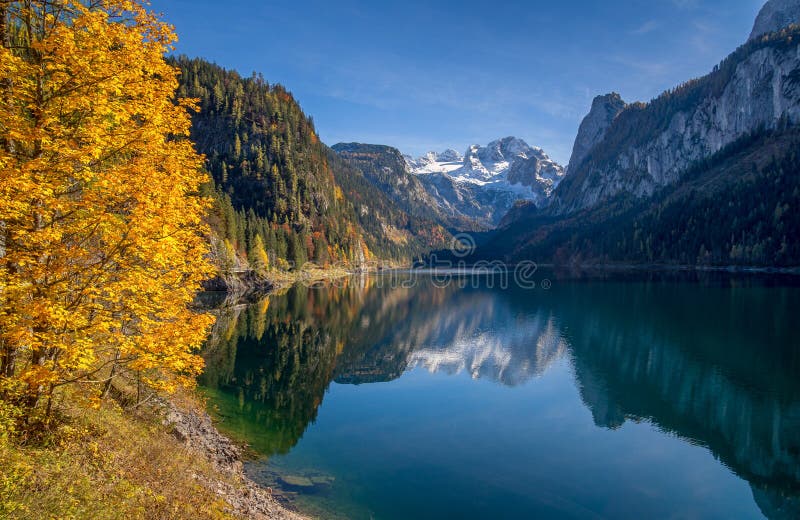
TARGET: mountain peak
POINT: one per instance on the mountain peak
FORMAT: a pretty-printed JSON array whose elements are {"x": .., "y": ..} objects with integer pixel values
[
  {"x": 776, "y": 15},
  {"x": 507, "y": 166},
  {"x": 450, "y": 155},
  {"x": 594, "y": 126}
]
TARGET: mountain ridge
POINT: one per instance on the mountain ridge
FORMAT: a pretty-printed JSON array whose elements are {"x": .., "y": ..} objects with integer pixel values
[
  {"x": 469, "y": 192},
  {"x": 774, "y": 16},
  {"x": 705, "y": 174},
  {"x": 485, "y": 182}
]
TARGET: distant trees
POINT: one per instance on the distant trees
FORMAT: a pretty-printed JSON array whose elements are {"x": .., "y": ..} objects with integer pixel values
[{"x": 103, "y": 243}]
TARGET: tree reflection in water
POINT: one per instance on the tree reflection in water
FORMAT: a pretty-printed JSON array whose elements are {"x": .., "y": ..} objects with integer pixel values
[{"x": 716, "y": 363}]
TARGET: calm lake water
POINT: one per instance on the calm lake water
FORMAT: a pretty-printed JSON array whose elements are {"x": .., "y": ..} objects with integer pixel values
[{"x": 647, "y": 396}]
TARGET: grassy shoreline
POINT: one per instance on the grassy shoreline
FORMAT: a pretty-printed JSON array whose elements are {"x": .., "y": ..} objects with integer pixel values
[{"x": 164, "y": 460}]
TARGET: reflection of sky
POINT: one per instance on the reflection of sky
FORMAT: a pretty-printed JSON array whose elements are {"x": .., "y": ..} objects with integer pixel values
[{"x": 441, "y": 446}]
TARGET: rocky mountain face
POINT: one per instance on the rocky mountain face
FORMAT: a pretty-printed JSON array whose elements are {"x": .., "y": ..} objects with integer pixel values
[
  {"x": 508, "y": 164},
  {"x": 385, "y": 167},
  {"x": 649, "y": 146},
  {"x": 476, "y": 207},
  {"x": 594, "y": 126},
  {"x": 467, "y": 192},
  {"x": 775, "y": 15},
  {"x": 485, "y": 182},
  {"x": 705, "y": 174}
]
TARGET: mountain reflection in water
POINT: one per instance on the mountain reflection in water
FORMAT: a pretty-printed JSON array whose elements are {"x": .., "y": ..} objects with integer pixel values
[{"x": 714, "y": 362}]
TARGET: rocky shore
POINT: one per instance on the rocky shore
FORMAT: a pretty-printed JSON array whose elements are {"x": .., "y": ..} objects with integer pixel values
[{"x": 246, "y": 498}]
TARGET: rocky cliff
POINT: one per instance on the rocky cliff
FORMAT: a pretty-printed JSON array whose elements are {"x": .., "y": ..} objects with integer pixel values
[
  {"x": 469, "y": 192},
  {"x": 485, "y": 183},
  {"x": 775, "y": 15},
  {"x": 649, "y": 146},
  {"x": 594, "y": 126}
]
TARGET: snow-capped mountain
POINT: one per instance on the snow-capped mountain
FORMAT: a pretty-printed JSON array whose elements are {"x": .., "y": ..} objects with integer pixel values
[
  {"x": 508, "y": 165},
  {"x": 467, "y": 192},
  {"x": 432, "y": 162}
]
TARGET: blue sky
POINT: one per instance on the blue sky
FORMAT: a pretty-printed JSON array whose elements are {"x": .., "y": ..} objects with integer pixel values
[{"x": 429, "y": 75}]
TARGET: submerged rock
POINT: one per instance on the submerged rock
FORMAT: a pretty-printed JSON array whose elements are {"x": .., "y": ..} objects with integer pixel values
[
  {"x": 323, "y": 480},
  {"x": 296, "y": 481}
]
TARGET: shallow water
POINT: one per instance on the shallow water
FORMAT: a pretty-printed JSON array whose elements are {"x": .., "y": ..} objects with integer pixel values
[{"x": 614, "y": 396}]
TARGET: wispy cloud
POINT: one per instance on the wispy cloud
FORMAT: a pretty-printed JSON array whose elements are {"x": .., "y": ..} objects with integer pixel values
[
  {"x": 647, "y": 67},
  {"x": 647, "y": 27}
]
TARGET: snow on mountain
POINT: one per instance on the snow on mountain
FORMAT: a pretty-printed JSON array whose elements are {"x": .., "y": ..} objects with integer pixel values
[
  {"x": 433, "y": 162},
  {"x": 506, "y": 165}
]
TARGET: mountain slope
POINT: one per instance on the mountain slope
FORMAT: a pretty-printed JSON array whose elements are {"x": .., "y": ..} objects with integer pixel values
[
  {"x": 706, "y": 174},
  {"x": 465, "y": 193},
  {"x": 387, "y": 227},
  {"x": 270, "y": 169},
  {"x": 649, "y": 146},
  {"x": 385, "y": 168},
  {"x": 278, "y": 188},
  {"x": 594, "y": 127},
  {"x": 737, "y": 208},
  {"x": 461, "y": 193},
  {"x": 774, "y": 16},
  {"x": 486, "y": 181}
]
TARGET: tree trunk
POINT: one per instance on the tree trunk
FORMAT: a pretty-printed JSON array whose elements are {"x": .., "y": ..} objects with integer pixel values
[{"x": 6, "y": 351}]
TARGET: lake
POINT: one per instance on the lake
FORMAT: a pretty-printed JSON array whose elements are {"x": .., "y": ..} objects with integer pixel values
[{"x": 660, "y": 395}]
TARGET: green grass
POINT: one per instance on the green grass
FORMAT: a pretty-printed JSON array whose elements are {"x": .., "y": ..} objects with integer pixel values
[{"x": 106, "y": 463}]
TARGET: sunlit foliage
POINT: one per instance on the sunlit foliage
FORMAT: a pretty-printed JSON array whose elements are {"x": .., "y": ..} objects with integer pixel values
[{"x": 102, "y": 238}]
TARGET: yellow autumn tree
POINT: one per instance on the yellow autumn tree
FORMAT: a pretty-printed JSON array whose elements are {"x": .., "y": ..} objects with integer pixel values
[
  {"x": 102, "y": 243},
  {"x": 258, "y": 257}
]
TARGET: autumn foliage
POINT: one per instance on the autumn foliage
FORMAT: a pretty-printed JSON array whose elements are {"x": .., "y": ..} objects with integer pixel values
[{"x": 102, "y": 241}]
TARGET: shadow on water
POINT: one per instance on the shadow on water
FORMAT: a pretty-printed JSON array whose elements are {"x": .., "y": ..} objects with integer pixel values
[{"x": 711, "y": 358}]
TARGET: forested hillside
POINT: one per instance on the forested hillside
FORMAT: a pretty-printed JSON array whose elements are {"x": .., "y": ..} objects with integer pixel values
[
  {"x": 271, "y": 175},
  {"x": 388, "y": 229},
  {"x": 282, "y": 198}
]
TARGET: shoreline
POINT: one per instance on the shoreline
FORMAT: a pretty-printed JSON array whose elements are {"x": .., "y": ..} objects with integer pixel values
[
  {"x": 195, "y": 427},
  {"x": 247, "y": 284},
  {"x": 642, "y": 268},
  {"x": 246, "y": 498}
]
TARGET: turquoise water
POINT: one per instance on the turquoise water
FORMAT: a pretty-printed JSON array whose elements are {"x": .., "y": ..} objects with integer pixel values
[{"x": 648, "y": 396}]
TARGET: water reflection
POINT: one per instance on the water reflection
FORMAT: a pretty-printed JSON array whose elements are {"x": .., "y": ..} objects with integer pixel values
[{"x": 716, "y": 364}]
